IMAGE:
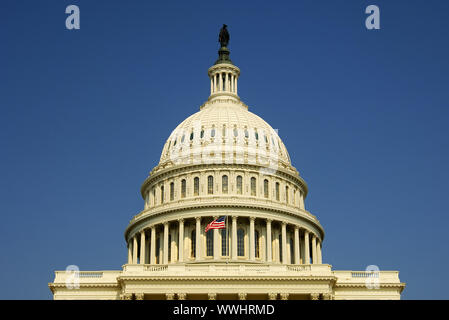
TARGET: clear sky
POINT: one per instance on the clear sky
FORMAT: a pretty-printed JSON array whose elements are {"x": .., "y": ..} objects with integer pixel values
[{"x": 84, "y": 115}]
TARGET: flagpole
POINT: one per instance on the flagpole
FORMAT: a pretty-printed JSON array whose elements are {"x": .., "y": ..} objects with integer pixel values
[{"x": 227, "y": 239}]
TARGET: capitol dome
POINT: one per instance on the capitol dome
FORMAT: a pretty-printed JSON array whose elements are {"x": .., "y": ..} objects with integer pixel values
[{"x": 225, "y": 161}]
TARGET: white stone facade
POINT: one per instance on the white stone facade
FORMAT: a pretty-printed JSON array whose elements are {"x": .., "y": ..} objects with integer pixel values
[{"x": 225, "y": 161}]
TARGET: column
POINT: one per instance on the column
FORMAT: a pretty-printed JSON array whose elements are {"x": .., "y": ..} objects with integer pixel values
[
  {"x": 197, "y": 239},
  {"x": 211, "y": 85},
  {"x": 314, "y": 260},
  {"x": 232, "y": 83},
  {"x": 153, "y": 245},
  {"x": 215, "y": 83},
  {"x": 306, "y": 247},
  {"x": 130, "y": 253},
  {"x": 284, "y": 296},
  {"x": 215, "y": 235},
  {"x": 269, "y": 242},
  {"x": 251, "y": 239},
  {"x": 242, "y": 295},
  {"x": 142, "y": 247},
  {"x": 284, "y": 243},
  {"x": 135, "y": 250},
  {"x": 170, "y": 296},
  {"x": 139, "y": 296},
  {"x": 296, "y": 241},
  {"x": 318, "y": 248},
  {"x": 272, "y": 296},
  {"x": 212, "y": 295},
  {"x": 235, "y": 85},
  {"x": 166, "y": 244},
  {"x": 181, "y": 240},
  {"x": 234, "y": 238},
  {"x": 182, "y": 296},
  {"x": 220, "y": 81},
  {"x": 314, "y": 296}
]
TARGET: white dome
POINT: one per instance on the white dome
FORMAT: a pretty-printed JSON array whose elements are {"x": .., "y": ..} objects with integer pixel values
[{"x": 224, "y": 131}]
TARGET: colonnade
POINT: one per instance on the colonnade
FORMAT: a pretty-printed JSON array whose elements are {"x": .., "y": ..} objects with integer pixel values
[
  {"x": 246, "y": 238},
  {"x": 223, "y": 82}
]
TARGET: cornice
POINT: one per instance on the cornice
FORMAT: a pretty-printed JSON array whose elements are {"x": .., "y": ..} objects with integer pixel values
[
  {"x": 363, "y": 285},
  {"x": 226, "y": 278},
  {"x": 53, "y": 285}
]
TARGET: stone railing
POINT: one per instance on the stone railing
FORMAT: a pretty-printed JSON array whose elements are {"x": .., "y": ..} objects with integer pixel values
[
  {"x": 228, "y": 269},
  {"x": 86, "y": 276},
  {"x": 362, "y": 276}
]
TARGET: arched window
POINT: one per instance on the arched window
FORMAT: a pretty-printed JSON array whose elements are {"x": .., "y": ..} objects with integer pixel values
[
  {"x": 277, "y": 191},
  {"x": 172, "y": 191},
  {"x": 224, "y": 242},
  {"x": 193, "y": 244},
  {"x": 162, "y": 194},
  {"x": 236, "y": 132},
  {"x": 253, "y": 186},
  {"x": 280, "y": 248},
  {"x": 240, "y": 242},
  {"x": 256, "y": 244},
  {"x": 202, "y": 134},
  {"x": 212, "y": 132},
  {"x": 191, "y": 136},
  {"x": 224, "y": 184},
  {"x": 210, "y": 243},
  {"x": 239, "y": 185},
  {"x": 286, "y": 194},
  {"x": 292, "y": 252},
  {"x": 183, "y": 188},
  {"x": 210, "y": 184},
  {"x": 196, "y": 186},
  {"x": 246, "y": 133},
  {"x": 256, "y": 134},
  {"x": 265, "y": 188}
]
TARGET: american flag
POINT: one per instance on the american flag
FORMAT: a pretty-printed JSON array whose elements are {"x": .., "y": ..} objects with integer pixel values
[{"x": 217, "y": 224}]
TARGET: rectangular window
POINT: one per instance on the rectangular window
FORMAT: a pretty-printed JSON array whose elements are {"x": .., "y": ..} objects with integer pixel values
[
  {"x": 253, "y": 186},
  {"x": 224, "y": 184},
  {"x": 183, "y": 188},
  {"x": 210, "y": 184},
  {"x": 196, "y": 186},
  {"x": 239, "y": 185}
]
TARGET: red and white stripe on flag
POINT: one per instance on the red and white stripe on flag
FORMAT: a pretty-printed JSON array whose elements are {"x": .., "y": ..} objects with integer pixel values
[{"x": 217, "y": 224}]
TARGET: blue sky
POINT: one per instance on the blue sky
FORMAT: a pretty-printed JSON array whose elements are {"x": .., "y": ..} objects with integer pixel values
[{"x": 85, "y": 113}]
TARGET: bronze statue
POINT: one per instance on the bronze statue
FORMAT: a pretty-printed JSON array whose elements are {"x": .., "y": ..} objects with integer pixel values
[{"x": 223, "y": 37}]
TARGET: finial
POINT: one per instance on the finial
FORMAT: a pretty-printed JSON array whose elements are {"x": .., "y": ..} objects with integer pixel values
[{"x": 223, "y": 53}]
